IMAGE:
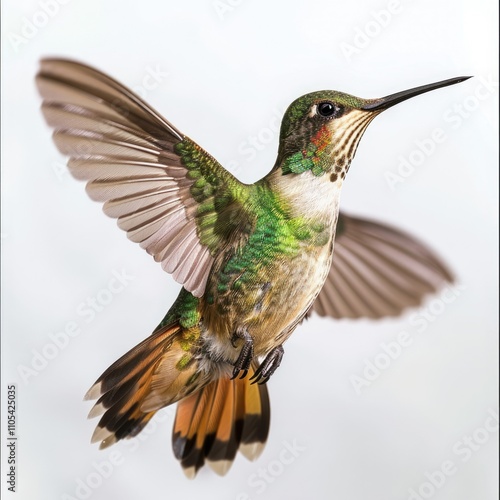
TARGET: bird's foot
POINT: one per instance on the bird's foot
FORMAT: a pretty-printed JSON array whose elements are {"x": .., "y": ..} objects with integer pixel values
[
  {"x": 268, "y": 366},
  {"x": 246, "y": 354}
]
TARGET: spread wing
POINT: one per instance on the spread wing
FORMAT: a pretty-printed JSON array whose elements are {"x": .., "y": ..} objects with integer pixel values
[
  {"x": 167, "y": 193},
  {"x": 377, "y": 271}
]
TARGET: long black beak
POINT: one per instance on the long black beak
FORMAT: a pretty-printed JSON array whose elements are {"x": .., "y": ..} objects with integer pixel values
[{"x": 391, "y": 100}]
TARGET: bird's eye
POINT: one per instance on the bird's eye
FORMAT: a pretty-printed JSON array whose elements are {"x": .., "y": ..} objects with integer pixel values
[{"x": 327, "y": 109}]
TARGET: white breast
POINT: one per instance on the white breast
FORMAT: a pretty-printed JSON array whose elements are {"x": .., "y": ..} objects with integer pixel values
[{"x": 310, "y": 195}]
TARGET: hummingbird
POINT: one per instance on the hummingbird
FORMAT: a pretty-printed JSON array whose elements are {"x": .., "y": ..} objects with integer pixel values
[{"x": 253, "y": 260}]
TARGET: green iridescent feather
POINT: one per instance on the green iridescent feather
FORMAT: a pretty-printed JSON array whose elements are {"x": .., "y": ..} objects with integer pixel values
[{"x": 220, "y": 197}]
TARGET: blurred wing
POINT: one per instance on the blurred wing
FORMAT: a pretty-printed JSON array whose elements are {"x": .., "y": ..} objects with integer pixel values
[
  {"x": 377, "y": 271},
  {"x": 167, "y": 193}
]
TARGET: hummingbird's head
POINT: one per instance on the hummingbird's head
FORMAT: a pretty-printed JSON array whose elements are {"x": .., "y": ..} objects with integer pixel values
[{"x": 321, "y": 131}]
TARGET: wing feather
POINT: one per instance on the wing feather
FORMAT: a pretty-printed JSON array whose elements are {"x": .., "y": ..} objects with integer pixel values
[
  {"x": 377, "y": 271},
  {"x": 159, "y": 184}
]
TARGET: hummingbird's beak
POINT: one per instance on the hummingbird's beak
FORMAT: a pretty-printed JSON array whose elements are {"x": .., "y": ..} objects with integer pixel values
[{"x": 391, "y": 100}]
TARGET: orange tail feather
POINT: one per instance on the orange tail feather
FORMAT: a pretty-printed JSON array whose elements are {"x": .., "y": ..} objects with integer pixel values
[
  {"x": 211, "y": 425},
  {"x": 155, "y": 373}
]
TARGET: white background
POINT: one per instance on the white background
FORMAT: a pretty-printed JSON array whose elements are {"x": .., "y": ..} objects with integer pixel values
[{"x": 228, "y": 69}]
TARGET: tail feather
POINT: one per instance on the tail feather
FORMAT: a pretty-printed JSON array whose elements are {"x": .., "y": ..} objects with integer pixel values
[
  {"x": 224, "y": 446},
  {"x": 145, "y": 379},
  {"x": 211, "y": 425},
  {"x": 193, "y": 412},
  {"x": 254, "y": 433},
  {"x": 214, "y": 418},
  {"x": 131, "y": 363}
]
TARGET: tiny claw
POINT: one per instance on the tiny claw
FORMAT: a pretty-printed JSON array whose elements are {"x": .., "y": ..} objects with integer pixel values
[
  {"x": 268, "y": 366},
  {"x": 257, "y": 375},
  {"x": 237, "y": 371}
]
